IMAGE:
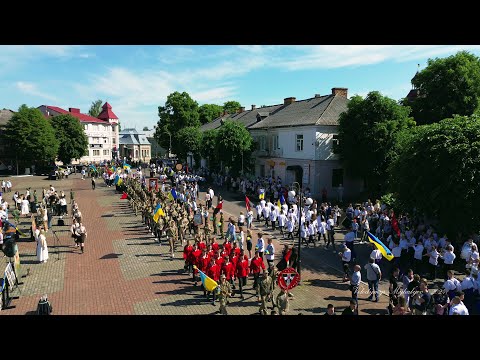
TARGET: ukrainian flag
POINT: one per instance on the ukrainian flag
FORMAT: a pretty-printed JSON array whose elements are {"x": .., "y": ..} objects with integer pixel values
[
  {"x": 120, "y": 181},
  {"x": 174, "y": 194},
  {"x": 170, "y": 196},
  {"x": 262, "y": 195},
  {"x": 282, "y": 199},
  {"x": 158, "y": 212},
  {"x": 126, "y": 166},
  {"x": 117, "y": 178},
  {"x": 208, "y": 283},
  {"x": 387, "y": 254}
]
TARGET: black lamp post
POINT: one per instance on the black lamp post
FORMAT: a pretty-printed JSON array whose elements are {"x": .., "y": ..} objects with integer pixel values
[{"x": 299, "y": 228}]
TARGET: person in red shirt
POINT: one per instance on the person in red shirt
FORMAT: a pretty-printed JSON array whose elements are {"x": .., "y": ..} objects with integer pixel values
[
  {"x": 204, "y": 261},
  {"x": 242, "y": 272},
  {"x": 219, "y": 259},
  {"x": 213, "y": 272},
  {"x": 233, "y": 259},
  {"x": 211, "y": 253},
  {"x": 256, "y": 265},
  {"x": 229, "y": 271},
  {"x": 187, "y": 250},
  {"x": 235, "y": 249},
  {"x": 214, "y": 244},
  {"x": 195, "y": 257},
  {"x": 224, "y": 252},
  {"x": 227, "y": 247},
  {"x": 201, "y": 244}
]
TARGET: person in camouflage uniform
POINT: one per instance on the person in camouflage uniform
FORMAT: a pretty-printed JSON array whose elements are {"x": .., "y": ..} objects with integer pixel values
[
  {"x": 172, "y": 234},
  {"x": 265, "y": 291},
  {"x": 225, "y": 291},
  {"x": 221, "y": 224},
  {"x": 283, "y": 302},
  {"x": 184, "y": 223}
]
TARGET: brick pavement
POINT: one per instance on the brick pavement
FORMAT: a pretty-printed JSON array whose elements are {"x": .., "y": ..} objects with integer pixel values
[{"x": 124, "y": 271}]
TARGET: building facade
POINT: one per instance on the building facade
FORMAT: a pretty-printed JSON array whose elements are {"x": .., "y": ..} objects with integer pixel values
[
  {"x": 102, "y": 131},
  {"x": 134, "y": 146},
  {"x": 297, "y": 141}
]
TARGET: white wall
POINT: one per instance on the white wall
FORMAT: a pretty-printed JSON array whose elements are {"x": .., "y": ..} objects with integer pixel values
[{"x": 324, "y": 136}]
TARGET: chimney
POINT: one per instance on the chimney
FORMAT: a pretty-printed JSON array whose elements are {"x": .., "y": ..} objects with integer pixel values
[
  {"x": 224, "y": 113},
  {"x": 318, "y": 95},
  {"x": 254, "y": 107},
  {"x": 74, "y": 110},
  {"x": 242, "y": 109},
  {"x": 340, "y": 92},
  {"x": 288, "y": 101}
]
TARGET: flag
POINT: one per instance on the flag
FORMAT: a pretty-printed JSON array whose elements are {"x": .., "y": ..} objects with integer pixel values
[
  {"x": 262, "y": 195},
  {"x": 279, "y": 204},
  {"x": 16, "y": 228},
  {"x": 282, "y": 199},
  {"x": 208, "y": 283},
  {"x": 116, "y": 179},
  {"x": 247, "y": 203},
  {"x": 395, "y": 224},
  {"x": 170, "y": 196},
  {"x": 157, "y": 213},
  {"x": 174, "y": 194},
  {"x": 218, "y": 208},
  {"x": 387, "y": 254},
  {"x": 120, "y": 181},
  {"x": 124, "y": 196},
  {"x": 126, "y": 166}
]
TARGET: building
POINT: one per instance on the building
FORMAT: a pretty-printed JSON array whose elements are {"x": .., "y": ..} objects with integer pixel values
[
  {"x": 156, "y": 150},
  {"x": 134, "y": 145},
  {"x": 297, "y": 142},
  {"x": 102, "y": 131}
]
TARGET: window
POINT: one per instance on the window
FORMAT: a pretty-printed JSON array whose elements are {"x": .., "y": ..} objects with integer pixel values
[
  {"x": 114, "y": 141},
  {"x": 96, "y": 152},
  {"x": 262, "y": 143},
  {"x": 335, "y": 143},
  {"x": 85, "y": 126},
  {"x": 299, "y": 142},
  {"x": 275, "y": 142},
  {"x": 105, "y": 140},
  {"x": 337, "y": 177},
  {"x": 105, "y": 152},
  {"x": 148, "y": 152}
]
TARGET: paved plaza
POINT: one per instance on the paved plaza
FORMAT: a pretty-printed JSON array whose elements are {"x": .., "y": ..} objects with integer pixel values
[{"x": 125, "y": 271}]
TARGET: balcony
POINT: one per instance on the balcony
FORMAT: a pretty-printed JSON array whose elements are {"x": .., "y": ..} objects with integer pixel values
[{"x": 277, "y": 152}]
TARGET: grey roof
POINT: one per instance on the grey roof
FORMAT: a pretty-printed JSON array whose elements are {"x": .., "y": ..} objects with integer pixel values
[
  {"x": 323, "y": 110},
  {"x": 5, "y": 116},
  {"x": 129, "y": 131},
  {"x": 128, "y": 139},
  {"x": 246, "y": 118}
]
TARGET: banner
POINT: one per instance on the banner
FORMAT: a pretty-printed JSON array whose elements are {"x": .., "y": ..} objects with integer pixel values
[{"x": 10, "y": 275}]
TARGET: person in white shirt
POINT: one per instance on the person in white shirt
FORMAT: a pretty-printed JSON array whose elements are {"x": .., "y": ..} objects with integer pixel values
[
  {"x": 321, "y": 229},
  {"x": 281, "y": 222},
  {"x": 290, "y": 226},
  {"x": 303, "y": 232},
  {"x": 458, "y": 307},
  {"x": 241, "y": 237},
  {"x": 331, "y": 232},
  {"x": 433, "y": 261},
  {"x": 346, "y": 256},
  {"x": 311, "y": 232},
  {"x": 260, "y": 247},
  {"x": 273, "y": 217},
  {"x": 448, "y": 258},
  {"x": 270, "y": 253},
  {"x": 418, "y": 256},
  {"x": 212, "y": 194},
  {"x": 451, "y": 285},
  {"x": 241, "y": 219},
  {"x": 266, "y": 215},
  {"x": 259, "y": 211},
  {"x": 249, "y": 218}
]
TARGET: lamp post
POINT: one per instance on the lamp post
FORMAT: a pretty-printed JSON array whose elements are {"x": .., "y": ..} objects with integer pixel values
[{"x": 297, "y": 185}]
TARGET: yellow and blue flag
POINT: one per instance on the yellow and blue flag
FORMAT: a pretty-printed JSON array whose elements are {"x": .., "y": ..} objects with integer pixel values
[
  {"x": 208, "y": 283},
  {"x": 387, "y": 254},
  {"x": 126, "y": 166},
  {"x": 262, "y": 195},
  {"x": 282, "y": 199},
  {"x": 157, "y": 213},
  {"x": 170, "y": 196},
  {"x": 174, "y": 193},
  {"x": 117, "y": 178}
]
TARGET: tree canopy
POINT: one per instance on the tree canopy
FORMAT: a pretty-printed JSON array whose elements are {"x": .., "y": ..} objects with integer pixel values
[
  {"x": 437, "y": 172},
  {"x": 234, "y": 140},
  {"x": 209, "y": 149},
  {"x": 95, "y": 108},
  {"x": 231, "y": 106},
  {"x": 446, "y": 87},
  {"x": 30, "y": 137},
  {"x": 180, "y": 111},
  {"x": 208, "y": 112},
  {"x": 191, "y": 139},
  {"x": 367, "y": 135},
  {"x": 73, "y": 143}
]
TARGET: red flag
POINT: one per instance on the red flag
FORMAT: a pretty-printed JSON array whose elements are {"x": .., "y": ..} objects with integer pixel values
[
  {"x": 247, "y": 203},
  {"x": 218, "y": 208},
  {"x": 124, "y": 196},
  {"x": 395, "y": 224}
]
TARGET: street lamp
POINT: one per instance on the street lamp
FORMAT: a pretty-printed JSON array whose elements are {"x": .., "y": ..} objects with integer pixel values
[
  {"x": 297, "y": 185},
  {"x": 170, "y": 147}
]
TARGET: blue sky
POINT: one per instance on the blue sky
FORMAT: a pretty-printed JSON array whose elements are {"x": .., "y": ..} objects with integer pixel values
[{"x": 135, "y": 80}]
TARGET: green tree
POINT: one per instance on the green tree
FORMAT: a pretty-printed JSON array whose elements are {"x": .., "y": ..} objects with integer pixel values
[
  {"x": 231, "y": 107},
  {"x": 208, "y": 112},
  {"x": 234, "y": 145},
  {"x": 145, "y": 128},
  {"x": 180, "y": 111},
  {"x": 437, "y": 172},
  {"x": 73, "y": 143},
  {"x": 96, "y": 108},
  {"x": 30, "y": 137},
  {"x": 209, "y": 148},
  {"x": 191, "y": 138},
  {"x": 447, "y": 87},
  {"x": 367, "y": 135}
]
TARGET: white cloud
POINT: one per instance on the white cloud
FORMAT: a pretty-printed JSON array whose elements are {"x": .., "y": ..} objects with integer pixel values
[{"x": 31, "y": 89}]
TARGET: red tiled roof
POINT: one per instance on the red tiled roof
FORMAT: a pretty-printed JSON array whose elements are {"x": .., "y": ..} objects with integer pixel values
[
  {"x": 107, "y": 112},
  {"x": 79, "y": 116}
]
